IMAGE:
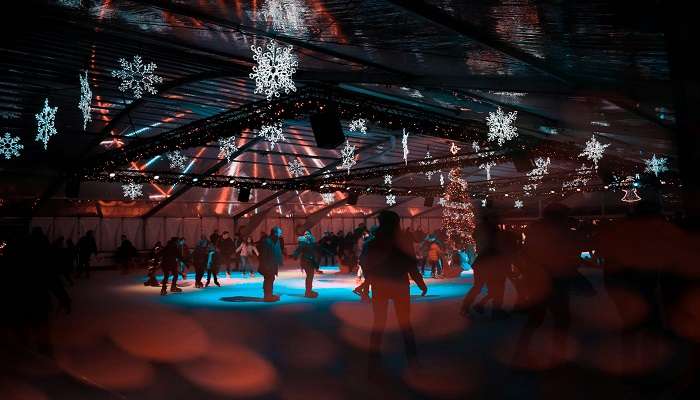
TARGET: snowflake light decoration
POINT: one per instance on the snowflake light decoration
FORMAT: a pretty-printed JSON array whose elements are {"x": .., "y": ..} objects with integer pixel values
[
  {"x": 10, "y": 146},
  {"x": 272, "y": 133},
  {"x": 501, "y": 128},
  {"x": 328, "y": 198},
  {"x": 348, "y": 156},
  {"x": 227, "y": 147},
  {"x": 286, "y": 15},
  {"x": 475, "y": 146},
  {"x": 404, "y": 144},
  {"x": 132, "y": 190},
  {"x": 655, "y": 165},
  {"x": 358, "y": 125},
  {"x": 487, "y": 167},
  {"x": 454, "y": 149},
  {"x": 442, "y": 179},
  {"x": 541, "y": 169},
  {"x": 594, "y": 150},
  {"x": 387, "y": 180},
  {"x": 483, "y": 202},
  {"x": 296, "y": 168},
  {"x": 390, "y": 199},
  {"x": 177, "y": 160},
  {"x": 85, "y": 99},
  {"x": 274, "y": 71},
  {"x": 46, "y": 124},
  {"x": 137, "y": 76},
  {"x": 518, "y": 204}
]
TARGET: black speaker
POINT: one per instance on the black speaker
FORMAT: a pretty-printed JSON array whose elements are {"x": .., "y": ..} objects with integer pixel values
[
  {"x": 327, "y": 130},
  {"x": 244, "y": 194},
  {"x": 352, "y": 199},
  {"x": 605, "y": 173},
  {"x": 522, "y": 162},
  {"x": 428, "y": 201},
  {"x": 73, "y": 188}
]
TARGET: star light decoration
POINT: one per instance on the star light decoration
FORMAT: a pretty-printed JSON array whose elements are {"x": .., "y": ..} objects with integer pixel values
[
  {"x": 274, "y": 71},
  {"x": 404, "y": 144},
  {"x": 46, "y": 124},
  {"x": 594, "y": 150},
  {"x": 272, "y": 133},
  {"x": 328, "y": 198},
  {"x": 85, "y": 99},
  {"x": 390, "y": 199},
  {"x": 227, "y": 147},
  {"x": 518, "y": 204},
  {"x": 296, "y": 168},
  {"x": 137, "y": 76},
  {"x": 454, "y": 149},
  {"x": 358, "y": 125},
  {"x": 177, "y": 160},
  {"x": 286, "y": 15},
  {"x": 10, "y": 146},
  {"x": 655, "y": 165},
  {"x": 347, "y": 156},
  {"x": 501, "y": 128},
  {"x": 132, "y": 190}
]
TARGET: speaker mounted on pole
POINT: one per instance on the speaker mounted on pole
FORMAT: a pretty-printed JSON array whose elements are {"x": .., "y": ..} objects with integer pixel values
[
  {"x": 244, "y": 194},
  {"x": 352, "y": 198},
  {"x": 327, "y": 130}
]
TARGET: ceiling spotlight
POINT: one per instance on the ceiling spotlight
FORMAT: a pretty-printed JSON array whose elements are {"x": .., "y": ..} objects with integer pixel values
[
  {"x": 195, "y": 179},
  {"x": 264, "y": 183},
  {"x": 156, "y": 177},
  {"x": 112, "y": 174},
  {"x": 231, "y": 181}
]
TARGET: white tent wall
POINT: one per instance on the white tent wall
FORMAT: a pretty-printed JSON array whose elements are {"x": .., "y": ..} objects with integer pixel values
[{"x": 144, "y": 234}]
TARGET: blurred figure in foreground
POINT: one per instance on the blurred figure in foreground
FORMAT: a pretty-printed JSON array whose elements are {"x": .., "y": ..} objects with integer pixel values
[
  {"x": 390, "y": 261},
  {"x": 271, "y": 259},
  {"x": 87, "y": 247},
  {"x": 307, "y": 250}
]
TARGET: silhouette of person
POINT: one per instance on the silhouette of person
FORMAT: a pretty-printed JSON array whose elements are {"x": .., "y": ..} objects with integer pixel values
[
  {"x": 270, "y": 260},
  {"x": 154, "y": 262},
  {"x": 170, "y": 265},
  {"x": 125, "y": 254},
  {"x": 86, "y": 248},
  {"x": 213, "y": 264},
  {"x": 200, "y": 256},
  {"x": 307, "y": 250},
  {"x": 390, "y": 262}
]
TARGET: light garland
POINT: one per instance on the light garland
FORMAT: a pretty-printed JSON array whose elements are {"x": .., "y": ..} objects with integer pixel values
[
  {"x": 457, "y": 213},
  {"x": 404, "y": 144},
  {"x": 85, "y": 99}
]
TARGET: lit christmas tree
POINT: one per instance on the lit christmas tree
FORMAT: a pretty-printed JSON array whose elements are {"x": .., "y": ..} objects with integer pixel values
[{"x": 458, "y": 213}]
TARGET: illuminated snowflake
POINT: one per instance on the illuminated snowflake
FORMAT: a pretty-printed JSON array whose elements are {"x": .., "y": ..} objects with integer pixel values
[
  {"x": 387, "y": 180},
  {"x": 272, "y": 133},
  {"x": 85, "y": 99},
  {"x": 137, "y": 76},
  {"x": 328, "y": 198},
  {"x": 483, "y": 202},
  {"x": 132, "y": 190},
  {"x": 501, "y": 128},
  {"x": 274, "y": 70},
  {"x": 296, "y": 168},
  {"x": 390, "y": 199},
  {"x": 358, "y": 125},
  {"x": 655, "y": 165},
  {"x": 454, "y": 149},
  {"x": 46, "y": 124},
  {"x": 227, "y": 147},
  {"x": 404, "y": 143},
  {"x": 177, "y": 160},
  {"x": 10, "y": 146},
  {"x": 475, "y": 146},
  {"x": 518, "y": 204},
  {"x": 286, "y": 15},
  {"x": 348, "y": 156},
  {"x": 594, "y": 150},
  {"x": 442, "y": 179},
  {"x": 487, "y": 167},
  {"x": 541, "y": 169}
]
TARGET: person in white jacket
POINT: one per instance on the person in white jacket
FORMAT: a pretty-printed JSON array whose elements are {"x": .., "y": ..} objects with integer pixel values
[{"x": 246, "y": 250}]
